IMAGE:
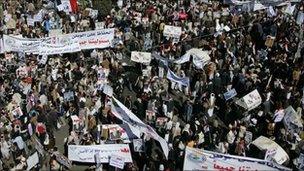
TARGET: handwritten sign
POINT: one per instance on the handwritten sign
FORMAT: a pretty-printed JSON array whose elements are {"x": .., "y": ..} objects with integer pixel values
[
  {"x": 250, "y": 101},
  {"x": 117, "y": 161},
  {"x": 141, "y": 57},
  {"x": 270, "y": 153},
  {"x": 86, "y": 154},
  {"x": 32, "y": 161},
  {"x": 65, "y": 6},
  {"x": 230, "y": 94},
  {"x": 172, "y": 31},
  {"x": 264, "y": 143},
  {"x": 292, "y": 120}
]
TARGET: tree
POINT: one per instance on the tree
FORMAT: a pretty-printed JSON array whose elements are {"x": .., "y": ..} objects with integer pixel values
[{"x": 103, "y": 6}]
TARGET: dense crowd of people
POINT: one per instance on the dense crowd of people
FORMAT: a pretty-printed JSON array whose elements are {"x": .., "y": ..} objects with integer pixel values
[{"x": 32, "y": 94}]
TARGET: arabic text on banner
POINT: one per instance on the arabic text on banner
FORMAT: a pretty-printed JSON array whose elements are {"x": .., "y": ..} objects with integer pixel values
[
  {"x": 86, "y": 154},
  {"x": 197, "y": 159}
]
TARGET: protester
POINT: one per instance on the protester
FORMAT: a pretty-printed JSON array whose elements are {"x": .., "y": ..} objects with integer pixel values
[{"x": 198, "y": 52}]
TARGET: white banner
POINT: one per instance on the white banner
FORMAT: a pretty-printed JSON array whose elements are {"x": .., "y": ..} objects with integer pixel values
[
  {"x": 172, "y": 31},
  {"x": 264, "y": 143},
  {"x": 52, "y": 49},
  {"x": 136, "y": 125},
  {"x": 16, "y": 44},
  {"x": 141, "y": 57},
  {"x": 292, "y": 121},
  {"x": 197, "y": 159},
  {"x": 86, "y": 154},
  {"x": 251, "y": 100},
  {"x": 96, "y": 39}
]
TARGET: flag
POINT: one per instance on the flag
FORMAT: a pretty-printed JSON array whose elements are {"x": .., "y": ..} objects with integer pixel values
[
  {"x": 258, "y": 6},
  {"x": 74, "y": 5},
  {"x": 290, "y": 9},
  {"x": 161, "y": 59},
  {"x": 181, "y": 80},
  {"x": 271, "y": 12},
  {"x": 183, "y": 59},
  {"x": 136, "y": 125},
  {"x": 300, "y": 18},
  {"x": 229, "y": 2}
]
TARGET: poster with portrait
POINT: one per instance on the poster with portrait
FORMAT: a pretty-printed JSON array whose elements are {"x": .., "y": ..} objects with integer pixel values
[
  {"x": 138, "y": 145},
  {"x": 115, "y": 132},
  {"x": 17, "y": 112}
]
